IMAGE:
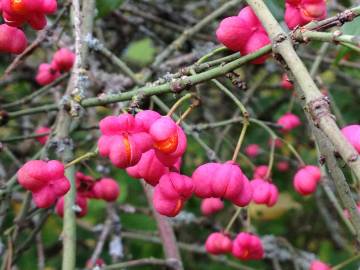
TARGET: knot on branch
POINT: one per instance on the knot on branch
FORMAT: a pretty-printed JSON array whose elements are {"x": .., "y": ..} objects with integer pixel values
[
  {"x": 179, "y": 85},
  {"x": 319, "y": 108},
  {"x": 93, "y": 43},
  {"x": 174, "y": 264},
  {"x": 346, "y": 16},
  {"x": 322, "y": 160},
  {"x": 335, "y": 35},
  {"x": 279, "y": 39},
  {"x": 62, "y": 144},
  {"x": 136, "y": 101},
  {"x": 297, "y": 35},
  {"x": 237, "y": 81}
]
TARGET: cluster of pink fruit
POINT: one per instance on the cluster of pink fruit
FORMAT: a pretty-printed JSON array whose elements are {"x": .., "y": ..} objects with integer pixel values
[
  {"x": 45, "y": 179},
  {"x": 47, "y": 182},
  {"x": 244, "y": 33},
  {"x": 63, "y": 61},
  {"x": 87, "y": 187},
  {"x": 245, "y": 246},
  {"x": 18, "y": 12},
  {"x": 149, "y": 146}
]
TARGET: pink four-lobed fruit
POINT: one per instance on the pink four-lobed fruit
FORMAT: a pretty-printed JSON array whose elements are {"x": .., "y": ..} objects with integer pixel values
[
  {"x": 211, "y": 206},
  {"x": 63, "y": 60},
  {"x": 218, "y": 243},
  {"x": 243, "y": 33},
  {"x": 301, "y": 12},
  {"x": 45, "y": 179},
  {"x": 41, "y": 130},
  {"x": 33, "y": 12},
  {"x": 264, "y": 192},
  {"x": 46, "y": 74},
  {"x": 247, "y": 246},
  {"x": 171, "y": 192},
  {"x": 352, "y": 134},
  {"x": 225, "y": 181},
  {"x": 123, "y": 140},
  {"x": 12, "y": 39},
  {"x": 252, "y": 150},
  {"x": 106, "y": 189},
  {"x": 306, "y": 180},
  {"x": 289, "y": 121},
  {"x": 319, "y": 265}
]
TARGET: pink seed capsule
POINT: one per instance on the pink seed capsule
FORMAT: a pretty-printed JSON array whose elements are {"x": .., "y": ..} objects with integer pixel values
[
  {"x": 289, "y": 121},
  {"x": 247, "y": 246},
  {"x": 43, "y": 139},
  {"x": 306, "y": 180},
  {"x": 233, "y": 32},
  {"x": 225, "y": 181},
  {"x": 122, "y": 141},
  {"x": 319, "y": 265},
  {"x": 264, "y": 192},
  {"x": 243, "y": 33},
  {"x": 211, "y": 206},
  {"x": 63, "y": 60},
  {"x": 171, "y": 193},
  {"x": 46, "y": 74},
  {"x": 352, "y": 134},
  {"x": 106, "y": 189},
  {"x": 252, "y": 150},
  {"x": 12, "y": 39},
  {"x": 218, "y": 243}
]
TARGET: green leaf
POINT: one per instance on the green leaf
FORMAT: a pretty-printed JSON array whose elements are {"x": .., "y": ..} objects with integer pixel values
[
  {"x": 140, "y": 52},
  {"x": 351, "y": 28},
  {"x": 105, "y": 7}
]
